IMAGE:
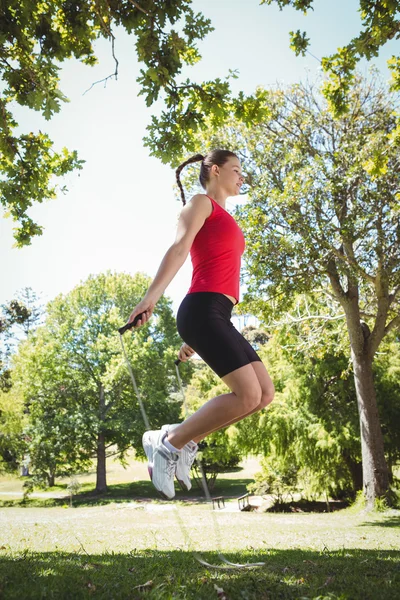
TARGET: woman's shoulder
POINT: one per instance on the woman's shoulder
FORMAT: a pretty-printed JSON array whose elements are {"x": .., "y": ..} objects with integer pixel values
[{"x": 203, "y": 203}]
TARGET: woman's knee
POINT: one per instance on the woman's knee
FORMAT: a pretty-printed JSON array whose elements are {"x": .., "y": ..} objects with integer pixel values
[
  {"x": 267, "y": 396},
  {"x": 251, "y": 399},
  {"x": 245, "y": 385}
]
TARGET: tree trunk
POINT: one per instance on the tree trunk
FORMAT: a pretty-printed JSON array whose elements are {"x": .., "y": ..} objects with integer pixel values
[
  {"x": 51, "y": 479},
  {"x": 375, "y": 471},
  {"x": 101, "y": 481},
  {"x": 355, "y": 468}
]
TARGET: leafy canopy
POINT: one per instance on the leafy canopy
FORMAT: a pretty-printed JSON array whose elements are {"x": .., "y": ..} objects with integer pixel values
[
  {"x": 380, "y": 23},
  {"x": 75, "y": 384},
  {"x": 35, "y": 38}
]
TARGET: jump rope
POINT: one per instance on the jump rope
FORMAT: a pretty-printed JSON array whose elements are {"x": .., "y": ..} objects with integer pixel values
[{"x": 228, "y": 565}]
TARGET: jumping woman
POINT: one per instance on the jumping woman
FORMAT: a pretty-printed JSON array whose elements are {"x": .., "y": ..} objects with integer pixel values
[{"x": 216, "y": 244}]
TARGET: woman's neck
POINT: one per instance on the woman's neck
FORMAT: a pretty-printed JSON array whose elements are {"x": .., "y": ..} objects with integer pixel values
[{"x": 218, "y": 195}]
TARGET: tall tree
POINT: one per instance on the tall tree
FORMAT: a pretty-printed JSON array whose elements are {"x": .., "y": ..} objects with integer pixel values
[
  {"x": 313, "y": 425},
  {"x": 74, "y": 380},
  {"x": 324, "y": 207}
]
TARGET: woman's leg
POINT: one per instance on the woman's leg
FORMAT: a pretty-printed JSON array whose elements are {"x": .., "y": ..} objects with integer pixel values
[
  {"x": 267, "y": 395},
  {"x": 248, "y": 395}
]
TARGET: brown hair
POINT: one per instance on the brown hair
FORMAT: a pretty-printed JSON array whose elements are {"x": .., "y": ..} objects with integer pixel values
[{"x": 215, "y": 157}]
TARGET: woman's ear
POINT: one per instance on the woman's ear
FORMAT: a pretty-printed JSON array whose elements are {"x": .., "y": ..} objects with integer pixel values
[{"x": 215, "y": 170}]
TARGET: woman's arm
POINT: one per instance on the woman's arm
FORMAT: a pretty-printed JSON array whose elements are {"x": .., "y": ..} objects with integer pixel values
[{"x": 190, "y": 222}]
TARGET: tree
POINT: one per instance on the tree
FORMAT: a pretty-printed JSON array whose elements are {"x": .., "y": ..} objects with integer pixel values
[
  {"x": 19, "y": 316},
  {"x": 37, "y": 36},
  {"x": 310, "y": 436},
  {"x": 76, "y": 384},
  {"x": 324, "y": 207},
  {"x": 380, "y": 24},
  {"x": 12, "y": 424}
]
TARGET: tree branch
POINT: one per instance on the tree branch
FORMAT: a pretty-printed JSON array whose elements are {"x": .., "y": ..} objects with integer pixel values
[
  {"x": 333, "y": 275},
  {"x": 395, "y": 322},
  {"x": 316, "y": 317},
  {"x": 352, "y": 261},
  {"x": 136, "y": 5}
]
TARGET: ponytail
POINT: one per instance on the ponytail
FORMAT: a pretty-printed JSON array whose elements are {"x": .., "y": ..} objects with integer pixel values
[
  {"x": 215, "y": 157},
  {"x": 193, "y": 159}
]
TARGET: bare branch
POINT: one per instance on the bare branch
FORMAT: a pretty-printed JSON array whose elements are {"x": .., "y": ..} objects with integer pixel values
[
  {"x": 315, "y": 317},
  {"x": 110, "y": 34}
]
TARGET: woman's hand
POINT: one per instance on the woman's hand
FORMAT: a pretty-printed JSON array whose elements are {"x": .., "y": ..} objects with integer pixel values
[
  {"x": 145, "y": 308},
  {"x": 185, "y": 352}
]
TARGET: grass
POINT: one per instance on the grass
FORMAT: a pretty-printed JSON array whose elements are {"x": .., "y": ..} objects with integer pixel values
[
  {"x": 110, "y": 551},
  {"x": 129, "y": 546}
]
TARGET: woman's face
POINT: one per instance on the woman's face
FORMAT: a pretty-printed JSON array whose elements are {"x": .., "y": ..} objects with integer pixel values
[{"x": 230, "y": 176}]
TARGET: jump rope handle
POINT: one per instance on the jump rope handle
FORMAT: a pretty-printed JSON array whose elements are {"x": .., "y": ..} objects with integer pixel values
[{"x": 130, "y": 325}]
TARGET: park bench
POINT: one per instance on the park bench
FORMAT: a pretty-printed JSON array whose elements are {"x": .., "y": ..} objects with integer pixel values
[
  {"x": 219, "y": 501},
  {"x": 248, "y": 502}
]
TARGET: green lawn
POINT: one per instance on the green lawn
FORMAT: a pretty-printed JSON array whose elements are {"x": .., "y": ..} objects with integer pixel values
[{"x": 134, "y": 548}]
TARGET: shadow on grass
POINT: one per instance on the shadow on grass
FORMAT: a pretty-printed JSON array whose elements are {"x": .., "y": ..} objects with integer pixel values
[
  {"x": 135, "y": 491},
  {"x": 386, "y": 521},
  {"x": 154, "y": 575}
]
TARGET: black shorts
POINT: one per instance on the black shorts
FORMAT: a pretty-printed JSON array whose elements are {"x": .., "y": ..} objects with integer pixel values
[{"x": 203, "y": 322}]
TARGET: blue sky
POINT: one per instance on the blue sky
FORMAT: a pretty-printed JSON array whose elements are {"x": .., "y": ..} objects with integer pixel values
[{"x": 120, "y": 212}]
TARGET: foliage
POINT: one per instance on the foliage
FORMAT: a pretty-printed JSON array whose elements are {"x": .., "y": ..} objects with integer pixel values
[
  {"x": 380, "y": 22},
  {"x": 387, "y": 378},
  {"x": 278, "y": 478},
  {"x": 218, "y": 453},
  {"x": 255, "y": 336},
  {"x": 323, "y": 208},
  {"x": 313, "y": 425},
  {"x": 73, "y": 487},
  {"x": 12, "y": 423},
  {"x": 75, "y": 383},
  {"x": 320, "y": 209},
  {"x": 19, "y": 316},
  {"x": 36, "y": 37}
]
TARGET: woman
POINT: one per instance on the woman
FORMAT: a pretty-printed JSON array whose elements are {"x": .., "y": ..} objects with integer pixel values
[{"x": 216, "y": 244}]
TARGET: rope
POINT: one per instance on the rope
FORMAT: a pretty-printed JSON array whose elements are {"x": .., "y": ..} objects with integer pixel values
[{"x": 228, "y": 564}]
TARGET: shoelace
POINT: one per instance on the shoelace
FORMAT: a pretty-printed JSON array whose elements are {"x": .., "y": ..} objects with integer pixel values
[
  {"x": 191, "y": 455},
  {"x": 170, "y": 467}
]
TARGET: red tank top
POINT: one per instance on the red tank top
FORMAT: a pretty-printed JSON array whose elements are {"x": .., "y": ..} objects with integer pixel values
[{"x": 216, "y": 253}]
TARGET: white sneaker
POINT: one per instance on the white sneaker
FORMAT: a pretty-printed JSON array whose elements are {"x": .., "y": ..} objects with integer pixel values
[
  {"x": 150, "y": 441},
  {"x": 184, "y": 464},
  {"x": 185, "y": 461},
  {"x": 161, "y": 462}
]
